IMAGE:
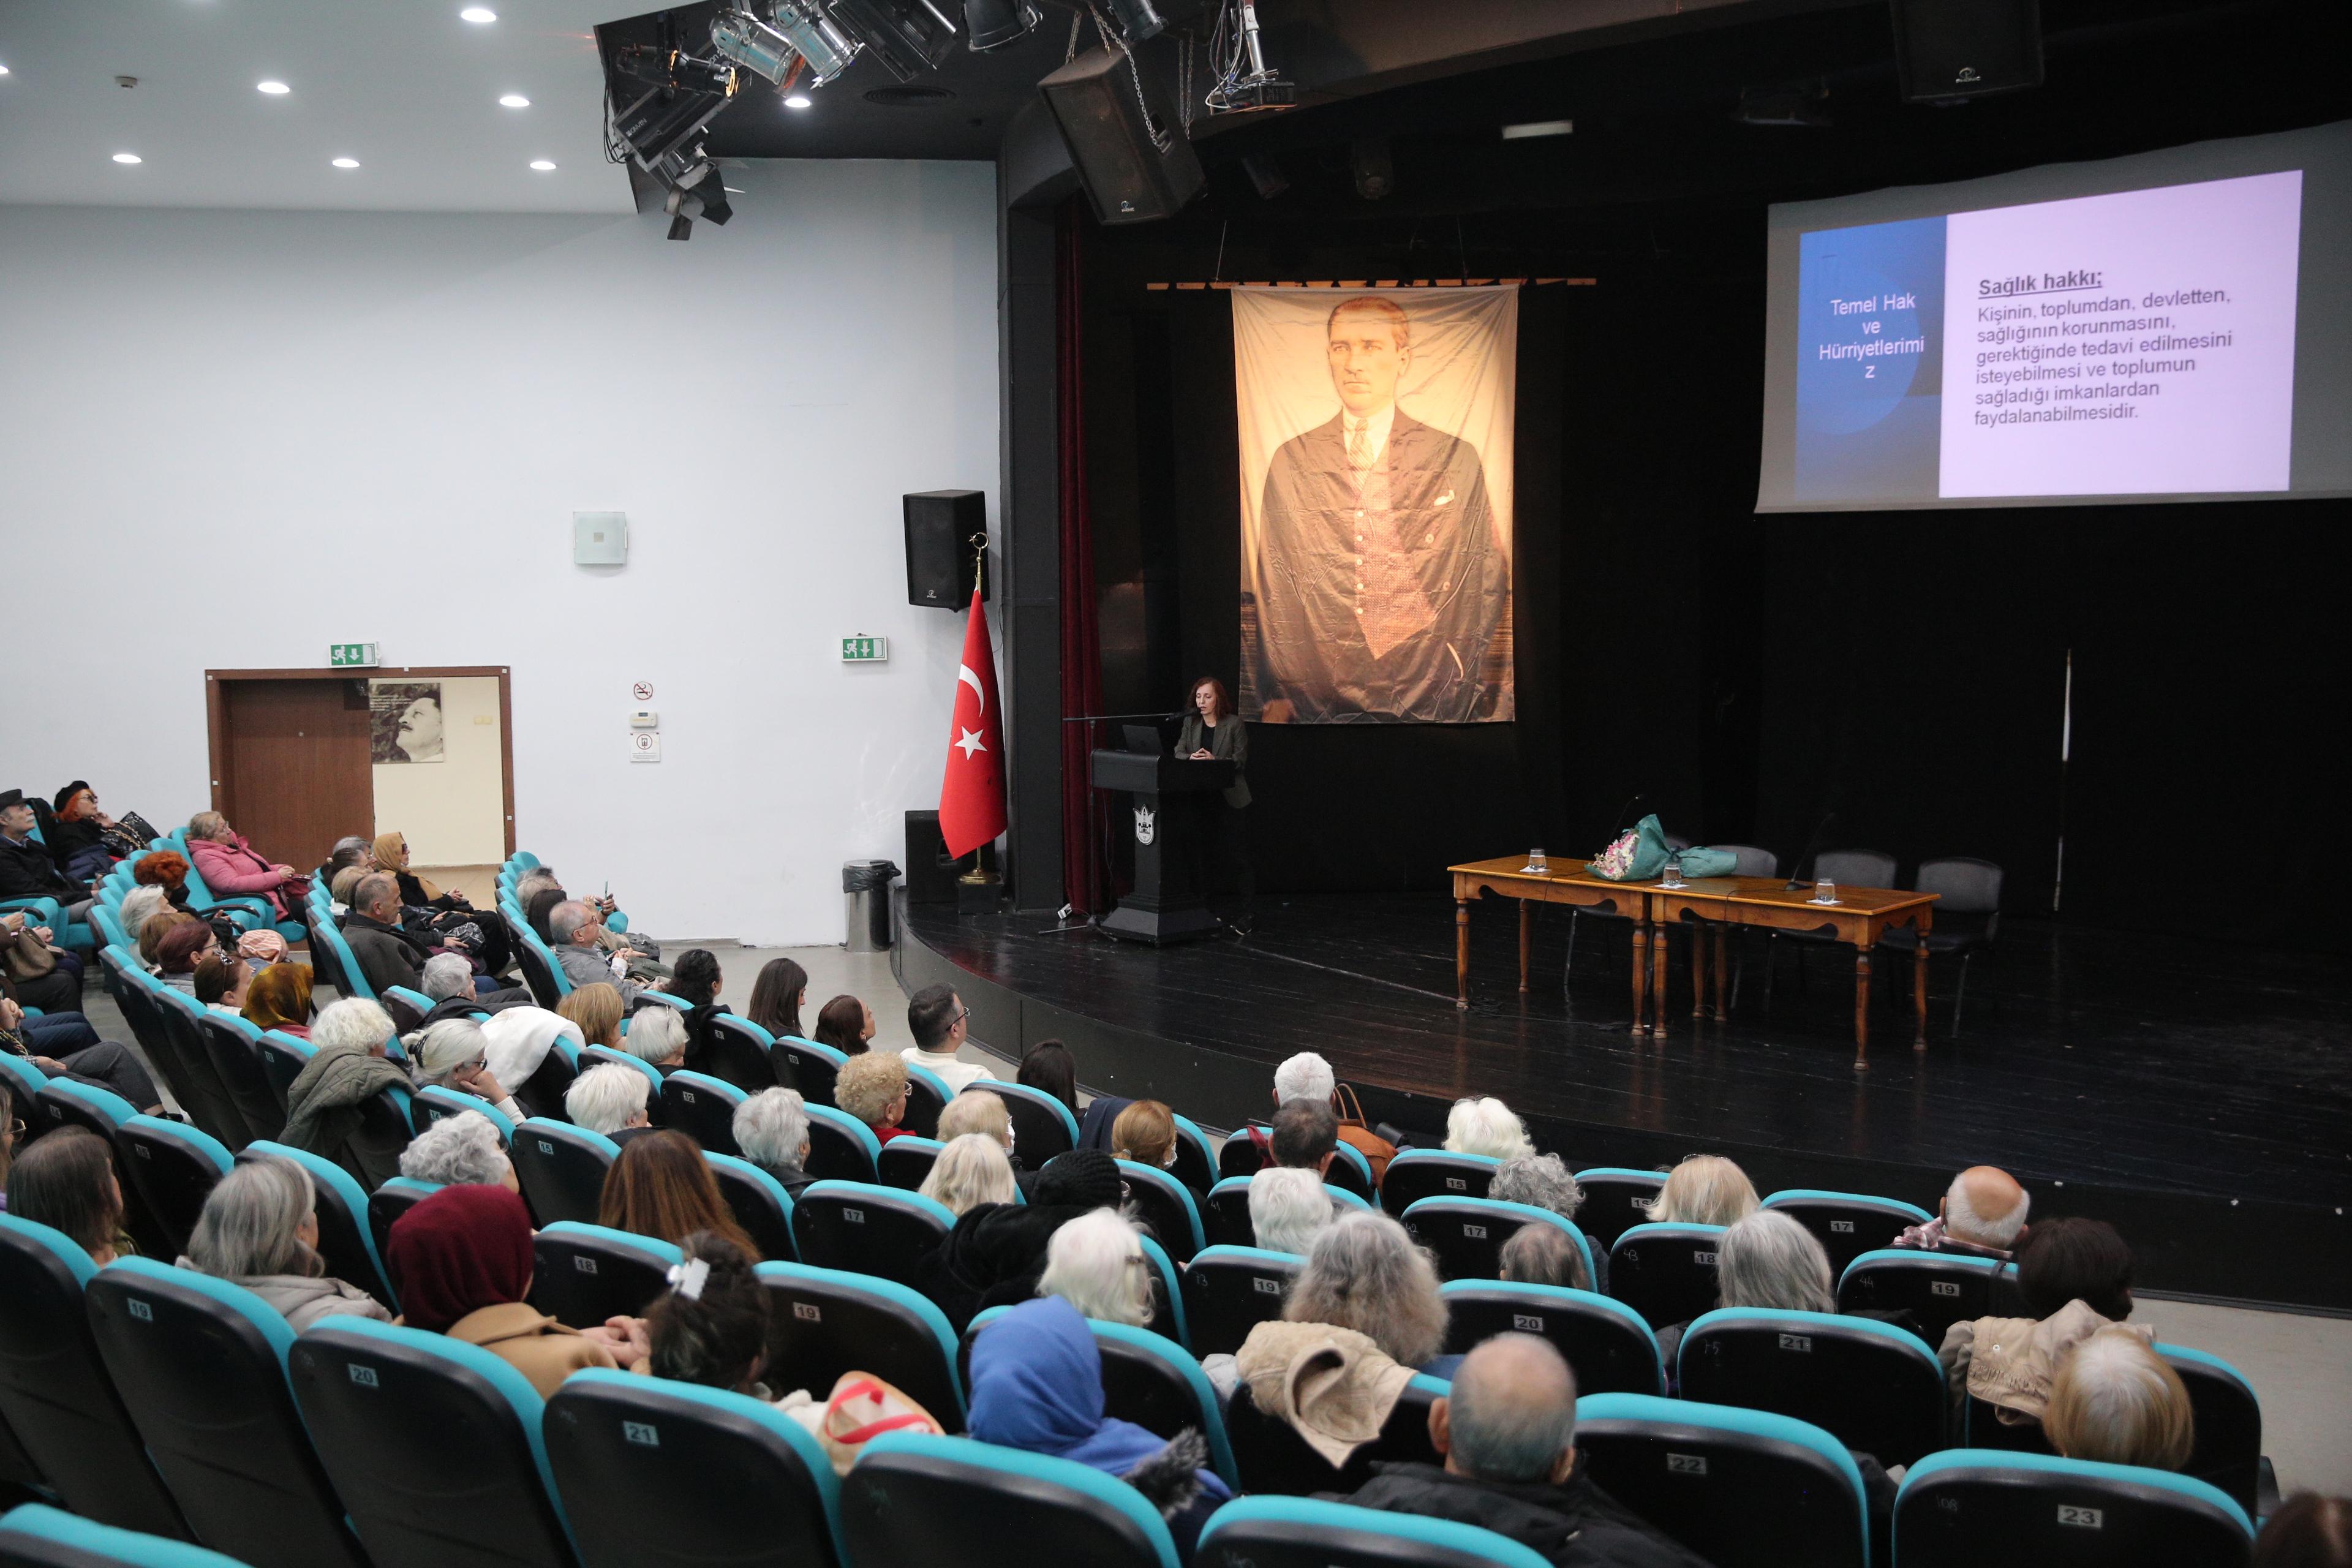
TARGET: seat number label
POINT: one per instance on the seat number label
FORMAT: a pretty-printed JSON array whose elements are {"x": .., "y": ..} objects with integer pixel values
[
  {"x": 1685, "y": 1464},
  {"x": 852, "y": 1216},
  {"x": 1638, "y": 1200},
  {"x": 687, "y": 1095},
  {"x": 1527, "y": 1323},
  {"x": 143, "y": 1152},
  {"x": 1474, "y": 1232},
  {"x": 641, "y": 1432},
  {"x": 2083, "y": 1518},
  {"x": 808, "y": 1312},
  {"x": 545, "y": 1147},
  {"x": 1456, "y": 1185},
  {"x": 141, "y": 1310},
  {"x": 1841, "y": 1227},
  {"x": 1797, "y": 1342},
  {"x": 1268, "y": 1286},
  {"x": 584, "y": 1265},
  {"x": 1703, "y": 1259},
  {"x": 1944, "y": 1287},
  {"x": 363, "y": 1375}
]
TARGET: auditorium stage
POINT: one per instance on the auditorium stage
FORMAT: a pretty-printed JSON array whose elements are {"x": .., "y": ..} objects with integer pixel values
[{"x": 2198, "y": 1095}]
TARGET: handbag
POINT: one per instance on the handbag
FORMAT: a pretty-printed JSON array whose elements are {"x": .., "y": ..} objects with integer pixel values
[
  {"x": 28, "y": 957},
  {"x": 1357, "y": 1134},
  {"x": 863, "y": 1407}
]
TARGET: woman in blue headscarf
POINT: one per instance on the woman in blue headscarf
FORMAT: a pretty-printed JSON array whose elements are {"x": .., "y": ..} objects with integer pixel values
[{"x": 1036, "y": 1385}]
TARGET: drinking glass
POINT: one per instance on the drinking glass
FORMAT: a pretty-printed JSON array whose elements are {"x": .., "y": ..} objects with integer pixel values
[
  {"x": 1826, "y": 892},
  {"x": 1673, "y": 871},
  {"x": 1536, "y": 861}
]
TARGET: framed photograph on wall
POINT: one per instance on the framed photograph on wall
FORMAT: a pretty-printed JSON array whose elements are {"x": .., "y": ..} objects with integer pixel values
[{"x": 404, "y": 722}]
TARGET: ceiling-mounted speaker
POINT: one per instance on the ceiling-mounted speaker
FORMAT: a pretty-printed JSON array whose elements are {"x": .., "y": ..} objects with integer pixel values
[
  {"x": 1131, "y": 152},
  {"x": 1946, "y": 49}
]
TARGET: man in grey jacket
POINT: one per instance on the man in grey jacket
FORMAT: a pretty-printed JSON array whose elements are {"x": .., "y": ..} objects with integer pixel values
[{"x": 574, "y": 926}]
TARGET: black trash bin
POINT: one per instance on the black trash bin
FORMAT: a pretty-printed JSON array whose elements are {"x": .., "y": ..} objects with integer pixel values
[{"x": 865, "y": 892}]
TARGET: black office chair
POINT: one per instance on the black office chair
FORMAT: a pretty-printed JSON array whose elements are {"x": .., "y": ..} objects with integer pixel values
[
  {"x": 1847, "y": 868},
  {"x": 1966, "y": 917}
]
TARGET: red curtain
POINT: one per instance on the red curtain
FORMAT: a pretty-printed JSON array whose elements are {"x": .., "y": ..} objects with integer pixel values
[{"x": 1085, "y": 879}]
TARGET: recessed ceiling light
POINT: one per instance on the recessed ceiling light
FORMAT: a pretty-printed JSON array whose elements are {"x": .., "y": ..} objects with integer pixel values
[
  {"x": 127, "y": 158},
  {"x": 541, "y": 165},
  {"x": 478, "y": 14},
  {"x": 514, "y": 100},
  {"x": 274, "y": 89},
  {"x": 3, "y": 70},
  {"x": 798, "y": 100},
  {"x": 347, "y": 162}
]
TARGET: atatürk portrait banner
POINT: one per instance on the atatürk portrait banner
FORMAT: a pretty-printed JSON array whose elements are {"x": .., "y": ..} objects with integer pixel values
[{"x": 1376, "y": 503}]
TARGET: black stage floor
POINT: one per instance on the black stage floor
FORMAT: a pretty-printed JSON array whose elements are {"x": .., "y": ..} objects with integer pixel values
[{"x": 2199, "y": 1094}]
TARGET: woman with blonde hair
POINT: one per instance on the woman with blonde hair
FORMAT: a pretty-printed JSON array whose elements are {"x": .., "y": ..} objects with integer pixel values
[
  {"x": 1487, "y": 1126},
  {"x": 596, "y": 1010},
  {"x": 2116, "y": 1402},
  {"x": 1145, "y": 1132},
  {"x": 970, "y": 1170},
  {"x": 977, "y": 1110},
  {"x": 873, "y": 1087},
  {"x": 1705, "y": 1189}
]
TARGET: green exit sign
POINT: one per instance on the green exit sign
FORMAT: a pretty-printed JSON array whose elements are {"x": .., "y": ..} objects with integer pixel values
[
  {"x": 353, "y": 655},
  {"x": 865, "y": 650}
]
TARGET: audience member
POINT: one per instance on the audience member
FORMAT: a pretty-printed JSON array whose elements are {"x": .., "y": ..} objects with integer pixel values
[
  {"x": 978, "y": 1110},
  {"x": 1485, "y": 1125},
  {"x": 461, "y": 1264},
  {"x": 971, "y": 1170},
  {"x": 662, "y": 1187},
  {"x": 167, "y": 871},
  {"x": 873, "y": 1089},
  {"x": 1036, "y": 1385},
  {"x": 323, "y": 1105},
  {"x": 1288, "y": 1208},
  {"x": 723, "y": 1053},
  {"x": 1308, "y": 1076},
  {"x": 1542, "y": 1181},
  {"x": 937, "y": 1017},
  {"x": 996, "y": 1252},
  {"x": 517, "y": 1041},
  {"x": 846, "y": 1024},
  {"x": 259, "y": 1229},
  {"x": 233, "y": 868},
  {"x": 159, "y": 925},
  {"x": 1508, "y": 1430},
  {"x": 489, "y": 939},
  {"x": 56, "y": 992},
  {"x": 2115, "y": 1401},
  {"x": 1049, "y": 1067},
  {"x": 182, "y": 947},
  {"x": 1365, "y": 1273},
  {"x": 1542, "y": 1255},
  {"x": 449, "y": 984},
  {"x": 389, "y": 954},
  {"x": 27, "y": 872},
  {"x": 2075, "y": 1276},
  {"x": 658, "y": 1035},
  {"x": 772, "y": 1129},
  {"x": 1365, "y": 1313},
  {"x": 711, "y": 1326},
  {"x": 1096, "y": 1263},
  {"x": 344, "y": 887},
  {"x": 455, "y": 1054},
  {"x": 221, "y": 981},
  {"x": 351, "y": 850},
  {"x": 12, "y": 1132},
  {"x": 573, "y": 927},
  {"x": 1764, "y": 1260},
  {"x": 1145, "y": 1132},
  {"x": 1705, "y": 1189},
  {"x": 609, "y": 1098},
  {"x": 459, "y": 1151},
  {"x": 777, "y": 994},
  {"x": 1982, "y": 1215},
  {"x": 76, "y": 833},
  {"x": 69, "y": 1049},
  {"x": 1305, "y": 1136},
  {"x": 539, "y": 891},
  {"x": 2308, "y": 1531},
  {"x": 597, "y": 1012},
  {"x": 66, "y": 1181},
  {"x": 137, "y": 907},
  {"x": 279, "y": 998}
]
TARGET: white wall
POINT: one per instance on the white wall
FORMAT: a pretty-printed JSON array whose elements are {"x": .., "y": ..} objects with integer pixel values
[{"x": 231, "y": 437}]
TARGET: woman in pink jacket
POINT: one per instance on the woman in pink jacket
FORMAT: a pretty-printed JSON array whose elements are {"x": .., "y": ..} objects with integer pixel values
[{"x": 231, "y": 868}]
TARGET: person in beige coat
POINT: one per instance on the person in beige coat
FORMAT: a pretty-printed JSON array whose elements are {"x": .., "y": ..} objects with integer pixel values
[{"x": 2075, "y": 1276}]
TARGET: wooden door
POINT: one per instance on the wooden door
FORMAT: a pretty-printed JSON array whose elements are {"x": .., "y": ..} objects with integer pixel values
[{"x": 292, "y": 764}]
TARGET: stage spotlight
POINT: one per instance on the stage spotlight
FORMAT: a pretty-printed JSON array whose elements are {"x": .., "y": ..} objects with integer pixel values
[
  {"x": 697, "y": 190},
  {"x": 906, "y": 35},
  {"x": 994, "y": 24},
  {"x": 1245, "y": 81},
  {"x": 677, "y": 71}
]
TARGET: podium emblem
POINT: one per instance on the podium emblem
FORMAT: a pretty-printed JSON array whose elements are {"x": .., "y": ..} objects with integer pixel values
[{"x": 1146, "y": 824}]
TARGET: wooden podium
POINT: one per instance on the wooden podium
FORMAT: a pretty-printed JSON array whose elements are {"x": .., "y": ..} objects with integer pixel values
[{"x": 1165, "y": 904}]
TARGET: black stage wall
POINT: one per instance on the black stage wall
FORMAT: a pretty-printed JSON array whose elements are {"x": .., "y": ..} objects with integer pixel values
[{"x": 1744, "y": 674}]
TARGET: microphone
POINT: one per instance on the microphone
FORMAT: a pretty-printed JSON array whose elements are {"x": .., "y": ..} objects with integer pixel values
[
  {"x": 1633, "y": 800},
  {"x": 1810, "y": 845}
]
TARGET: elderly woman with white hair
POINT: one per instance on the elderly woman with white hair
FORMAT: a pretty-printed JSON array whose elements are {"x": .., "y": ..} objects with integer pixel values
[
  {"x": 455, "y": 1054},
  {"x": 610, "y": 1098},
  {"x": 327, "y": 1106},
  {"x": 657, "y": 1034},
  {"x": 772, "y": 1128},
  {"x": 1487, "y": 1126},
  {"x": 140, "y": 905},
  {"x": 1766, "y": 1260},
  {"x": 459, "y": 1151},
  {"x": 1096, "y": 1263},
  {"x": 972, "y": 1170},
  {"x": 259, "y": 1229},
  {"x": 1288, "y": 1208}
]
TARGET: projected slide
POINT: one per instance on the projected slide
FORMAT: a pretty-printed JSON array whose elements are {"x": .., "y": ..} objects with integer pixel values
[{"x": 2141, "y": 342}]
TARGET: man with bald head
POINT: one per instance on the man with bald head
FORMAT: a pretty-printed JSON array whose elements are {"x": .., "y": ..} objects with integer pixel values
[
  {"x": 1982, "y": 1215},
  {"x": 1507, "y": 1430}
]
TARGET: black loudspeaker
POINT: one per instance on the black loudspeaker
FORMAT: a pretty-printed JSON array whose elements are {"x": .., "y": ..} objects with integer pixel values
[
  {"x": 946, "y": 531},
  {"x": 1966, "y": 48},
  {"x": 1129, "y": 176},
  {"x": 931, "y": 872}
]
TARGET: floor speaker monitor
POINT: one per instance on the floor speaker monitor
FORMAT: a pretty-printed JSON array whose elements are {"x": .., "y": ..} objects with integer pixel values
[
  {"x": 1966, "y": 48},
  {"x": 946, "y": 531},
  {"x": 1133, "y": 160}
]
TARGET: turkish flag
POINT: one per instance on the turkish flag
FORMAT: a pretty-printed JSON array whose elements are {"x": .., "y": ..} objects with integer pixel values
[{"x": 972, "y": 795}]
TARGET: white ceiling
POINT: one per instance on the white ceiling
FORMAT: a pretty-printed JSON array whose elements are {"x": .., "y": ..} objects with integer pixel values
[{"x": 404, "y": 86}]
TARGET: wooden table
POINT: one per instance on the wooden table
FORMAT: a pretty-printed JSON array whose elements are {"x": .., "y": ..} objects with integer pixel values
[{"x": 1706, "y": 906}]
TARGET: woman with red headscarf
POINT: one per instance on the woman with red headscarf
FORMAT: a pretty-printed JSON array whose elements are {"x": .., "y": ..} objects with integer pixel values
[{"x": 461, "y": 1262}]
